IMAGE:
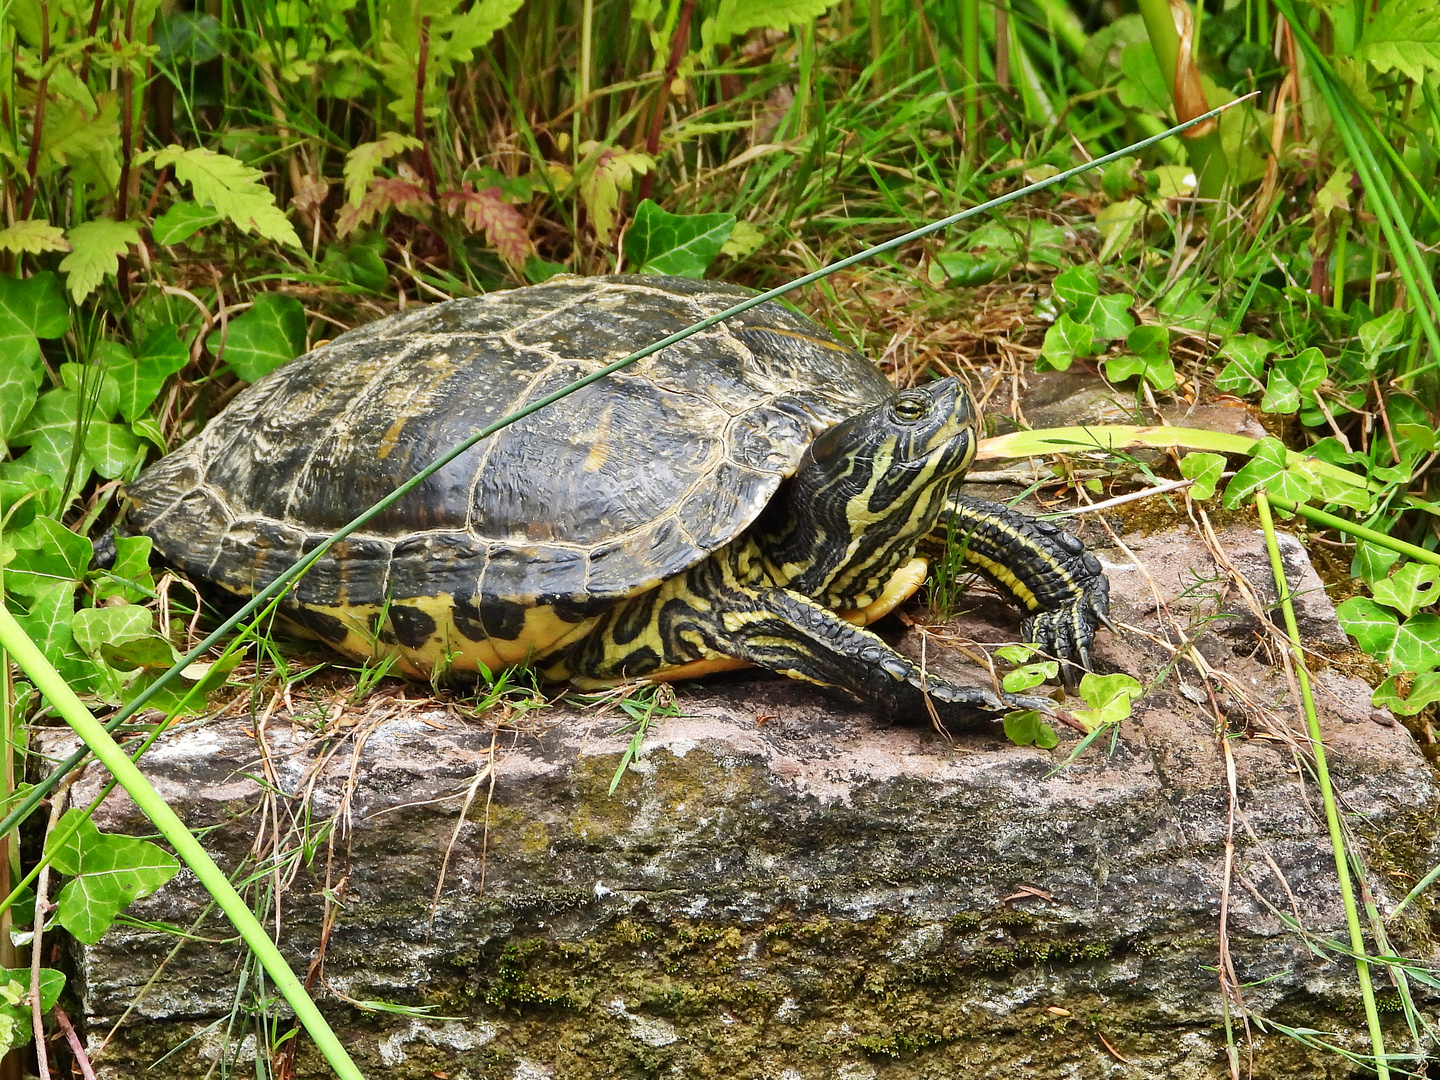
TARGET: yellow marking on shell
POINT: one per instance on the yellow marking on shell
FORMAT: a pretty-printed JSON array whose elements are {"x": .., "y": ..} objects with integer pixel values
[
  {"x": 901, "y": 586},
  {"x": 390, "y": 438},
  {"x": 544, "y": 632},
  {"x": 599, "y": 440}
]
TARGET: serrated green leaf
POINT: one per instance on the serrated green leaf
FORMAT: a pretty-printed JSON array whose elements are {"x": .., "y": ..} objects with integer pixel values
[
  {"x": 32, "y": 236},
  {"x": 1025, "y": 728},
  {"x": 659, "y": 242},
  {"x": 1066, "y": 340},
  {"x": 232, "y": 189},
  {"x": 1413, "y": 586},
  {"x": 182, "y": 221},
  {"x": 96, "y": 247},
  {"x": 361, "y": 162},
  {"x": 1372, "y": 626},
  {"x": 734, "y": 17},
  {"x": 1404, "y": 35},
  {"x": 109, "y": 872},
  {"x": 1205, "y": 470},
  {"x": 271, "y": 333}
]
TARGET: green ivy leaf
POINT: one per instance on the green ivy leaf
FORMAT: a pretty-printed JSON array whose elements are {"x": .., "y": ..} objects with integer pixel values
[
  {"x": 16, "y": 1025},
  {"x": 1424, "y": 691},
  {"x": 659, "y": 242},
  {"x": 139, "y": 379},
  {"x": 1151, "y": 359},
  {"x": 1381, "y": 334},
  {"x": 1076, "y": 291},
  {"x": 1417, "y": 644},
  {"x": 109, "y": 872},
  {"x": 1111, "y": 316},
  {"x": 1205, "y": 470},
  {"x": 1065, "y": 341},
  {"x": 1245, "y": 372},
  {"x": 1292, "y": 380},
  {"x": 29, "y": 310},
  {"x": 271, "y": 333},
  {"x": 359, "y": 264},
  {"x": 1372, "y": 562},
  {"x": 96, "y": 247},
  {"x": 95, "y": 386},
  {"x": 1025, "y": 728},
  {"x": 1372, "y": 626},
  {"x": 1267, "y": 469},
  {"x": 47, "y": 624},
  {"x": 49, "y": 431},
  {"x": 114, "y": 625},
  {"x": 1410, "y": 588},
  {"x": 1109, "y": 698}
]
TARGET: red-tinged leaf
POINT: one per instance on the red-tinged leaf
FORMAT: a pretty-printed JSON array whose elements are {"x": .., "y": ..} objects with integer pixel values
[
  {"x": 388, "y": 193},
  {"x": 488, "y": 212}
]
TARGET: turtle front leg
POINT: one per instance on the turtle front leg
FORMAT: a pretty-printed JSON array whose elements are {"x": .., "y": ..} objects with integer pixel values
[
  {"x": 1047, "y": 572},
  {"x": 793, "y": 635}
]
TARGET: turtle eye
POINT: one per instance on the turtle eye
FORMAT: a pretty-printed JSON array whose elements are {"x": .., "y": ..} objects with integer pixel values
[{"x": 908, "y": 409}]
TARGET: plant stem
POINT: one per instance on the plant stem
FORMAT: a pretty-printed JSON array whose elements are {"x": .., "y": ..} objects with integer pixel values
[
  {"x": 679, "y": 42},
  {"x": 1327, "y": 791},
  {"x": 970, "y": 62},
  {"x": 49, "y": 682}
]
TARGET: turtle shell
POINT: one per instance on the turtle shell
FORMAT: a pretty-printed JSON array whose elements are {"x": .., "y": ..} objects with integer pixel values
[{"x": 598, "y": 497}]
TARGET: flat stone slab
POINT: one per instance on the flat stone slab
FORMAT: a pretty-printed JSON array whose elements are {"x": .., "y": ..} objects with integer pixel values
[{"x": 782, "y": 886}]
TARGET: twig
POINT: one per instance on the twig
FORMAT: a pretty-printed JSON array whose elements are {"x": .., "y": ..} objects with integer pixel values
[
  {"x": 76, "y": 1046},
  {"x": 678, "y": 41},
  {"x": 422, "y": 155},
  {"x": 32, "y": 161},
  {"x": 42, "y": 907}
]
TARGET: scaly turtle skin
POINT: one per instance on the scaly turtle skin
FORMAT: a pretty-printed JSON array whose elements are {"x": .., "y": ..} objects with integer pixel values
[{"x": 753, "y": 495}]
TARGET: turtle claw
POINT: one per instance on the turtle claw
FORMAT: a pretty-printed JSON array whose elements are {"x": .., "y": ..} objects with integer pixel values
[{"x": 1067, "y": 632}]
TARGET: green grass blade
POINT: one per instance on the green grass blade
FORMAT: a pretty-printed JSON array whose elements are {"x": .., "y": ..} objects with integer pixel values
[{"x": 49, "y": 682}]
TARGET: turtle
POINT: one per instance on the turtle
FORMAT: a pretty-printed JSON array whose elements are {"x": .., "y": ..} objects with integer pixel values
[{"x": 756, "y": 494}]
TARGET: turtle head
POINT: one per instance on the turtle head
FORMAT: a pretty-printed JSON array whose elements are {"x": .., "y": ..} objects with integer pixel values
[{"x": 867, "y": 490}]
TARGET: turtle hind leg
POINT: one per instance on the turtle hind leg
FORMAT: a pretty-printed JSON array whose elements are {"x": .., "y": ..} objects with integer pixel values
[{"x": 793, "y": 635}]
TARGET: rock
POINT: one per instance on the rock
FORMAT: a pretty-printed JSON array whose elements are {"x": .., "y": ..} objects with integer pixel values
[{"x": 785, "y": 887}]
